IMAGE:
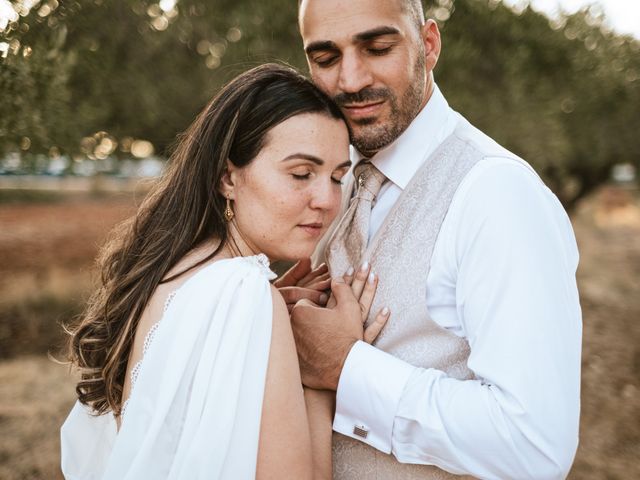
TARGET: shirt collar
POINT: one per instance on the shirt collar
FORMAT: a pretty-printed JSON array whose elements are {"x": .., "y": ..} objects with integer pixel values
[{"x": 400, "y": 160}]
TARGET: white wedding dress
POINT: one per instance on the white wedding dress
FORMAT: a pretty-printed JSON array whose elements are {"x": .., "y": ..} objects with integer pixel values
[{"x": 194, "y": 411}]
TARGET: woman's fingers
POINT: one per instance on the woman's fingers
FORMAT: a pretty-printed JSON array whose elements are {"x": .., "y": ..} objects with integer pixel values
[
  {"x": 323, "y": 282},
  {"x": 293, "y": 295},
  {"x": 360, "y": 280},
  {"x": 292, "y": 276},
  {"x": 368, "y": 294},
  {"x": 375, "y": 327},
  {"x": 315, "y": 274}
]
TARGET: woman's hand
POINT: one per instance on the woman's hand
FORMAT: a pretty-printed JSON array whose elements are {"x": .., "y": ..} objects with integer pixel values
[
  {"x": 364, "y": 284},
  {"x": 300, "y": 281}
]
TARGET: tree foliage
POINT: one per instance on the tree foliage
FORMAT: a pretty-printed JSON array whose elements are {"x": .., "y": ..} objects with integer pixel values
[{"x": 563, "y": 94}]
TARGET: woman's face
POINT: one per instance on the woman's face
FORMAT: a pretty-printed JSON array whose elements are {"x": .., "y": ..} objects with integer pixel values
[{"x": 286, "y": 198}]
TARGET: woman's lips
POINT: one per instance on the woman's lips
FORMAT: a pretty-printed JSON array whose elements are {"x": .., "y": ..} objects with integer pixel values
[
  {"x": 364, "y": 110},
  {"x": 313, "y": 229}
]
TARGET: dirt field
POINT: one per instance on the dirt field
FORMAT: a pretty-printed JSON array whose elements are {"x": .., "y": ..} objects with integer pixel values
[{"x": 46, "y": 252}]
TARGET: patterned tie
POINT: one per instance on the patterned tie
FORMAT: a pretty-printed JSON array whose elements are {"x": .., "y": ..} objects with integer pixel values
[{"x": 349, "y": 242}]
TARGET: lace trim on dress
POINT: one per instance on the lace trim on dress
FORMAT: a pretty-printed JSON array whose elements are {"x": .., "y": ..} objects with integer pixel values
[
  {"x": 260, "y": 260},
  {"x": 148, "y": 339}
]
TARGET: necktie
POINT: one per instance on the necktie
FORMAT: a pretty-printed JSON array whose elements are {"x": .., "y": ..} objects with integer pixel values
[{"x": 349, "y": 242}]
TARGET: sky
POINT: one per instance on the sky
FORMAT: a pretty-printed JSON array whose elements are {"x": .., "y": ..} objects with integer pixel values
[{"x": 622, "y": 15}]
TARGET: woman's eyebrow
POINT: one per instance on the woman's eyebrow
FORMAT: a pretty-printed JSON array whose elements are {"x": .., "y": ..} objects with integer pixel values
[{"x": 305, "y": 156}]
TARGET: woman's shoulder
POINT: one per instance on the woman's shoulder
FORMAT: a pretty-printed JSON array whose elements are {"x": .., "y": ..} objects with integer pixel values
[{"x": 223, "y": 274}]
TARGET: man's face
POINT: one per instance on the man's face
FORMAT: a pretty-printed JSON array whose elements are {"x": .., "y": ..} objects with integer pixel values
[{"x": 369, "y": 56}]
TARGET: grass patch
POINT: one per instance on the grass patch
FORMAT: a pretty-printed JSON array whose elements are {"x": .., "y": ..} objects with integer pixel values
[
  {"x": 34, "y": 326},
  {"x": 10, "y": 197}
]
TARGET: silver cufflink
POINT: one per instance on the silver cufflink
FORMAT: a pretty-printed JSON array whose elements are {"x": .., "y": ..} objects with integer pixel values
[{"x": 361, "y": 431}]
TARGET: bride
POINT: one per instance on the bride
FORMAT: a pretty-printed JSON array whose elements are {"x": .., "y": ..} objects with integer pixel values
[{"x": 187, "y": 360}]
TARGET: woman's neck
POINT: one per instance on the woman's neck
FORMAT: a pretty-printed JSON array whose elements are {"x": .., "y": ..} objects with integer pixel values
[{"x": 237, "y": 244}]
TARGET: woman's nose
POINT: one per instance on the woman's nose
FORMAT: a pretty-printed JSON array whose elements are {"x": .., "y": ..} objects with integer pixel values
[{"x": 325, "y": 196}]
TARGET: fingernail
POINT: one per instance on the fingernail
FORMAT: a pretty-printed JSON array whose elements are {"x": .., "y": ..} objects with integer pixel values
[
  {"x": 385, "y": 311},
  {"x": 372, "y": 278},
  {"x": 349, "y": 271},
  {"x": 364, "y": 267},
  {"x": 323, "y": 298}
]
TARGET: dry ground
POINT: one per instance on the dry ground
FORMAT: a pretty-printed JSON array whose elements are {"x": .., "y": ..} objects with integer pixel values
[{"x": 45, "y": 256}]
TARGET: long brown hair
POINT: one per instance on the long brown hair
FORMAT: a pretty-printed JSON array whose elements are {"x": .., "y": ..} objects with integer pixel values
[{"x": 183, "y": 210}]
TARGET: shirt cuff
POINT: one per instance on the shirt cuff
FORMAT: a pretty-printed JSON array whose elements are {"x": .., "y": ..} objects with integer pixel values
[{"x": 369, "y": 392}]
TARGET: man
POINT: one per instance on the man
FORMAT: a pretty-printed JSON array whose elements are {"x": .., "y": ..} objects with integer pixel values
[{"x": 477, "y": 371}]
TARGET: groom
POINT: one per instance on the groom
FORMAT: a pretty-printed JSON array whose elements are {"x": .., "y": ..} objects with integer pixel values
[{"x": 477, "y": 371}]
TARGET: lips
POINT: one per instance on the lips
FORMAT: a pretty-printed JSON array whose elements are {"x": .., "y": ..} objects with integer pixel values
[
  {"x": 363, "y": 110},
  {"x": 312, "y": 228}
]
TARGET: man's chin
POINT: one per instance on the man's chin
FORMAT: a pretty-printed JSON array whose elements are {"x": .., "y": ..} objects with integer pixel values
[
  {"x": 370, "y": 140},
  {"x": 363, "y": 122}
]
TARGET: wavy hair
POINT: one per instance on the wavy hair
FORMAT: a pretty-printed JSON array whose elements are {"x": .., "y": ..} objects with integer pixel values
[{"x": 182, "y": 211}]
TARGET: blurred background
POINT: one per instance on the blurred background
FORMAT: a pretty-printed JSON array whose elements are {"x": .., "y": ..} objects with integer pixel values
[{"x": 93, "y": 94}]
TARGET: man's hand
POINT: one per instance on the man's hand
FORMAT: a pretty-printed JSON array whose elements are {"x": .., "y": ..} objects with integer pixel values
[
  {"x": 301, "y": 282},
  {"x": 324, "y": 336}
]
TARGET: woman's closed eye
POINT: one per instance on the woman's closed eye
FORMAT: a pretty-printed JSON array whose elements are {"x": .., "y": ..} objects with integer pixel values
[{"x": 301, "y": 174}]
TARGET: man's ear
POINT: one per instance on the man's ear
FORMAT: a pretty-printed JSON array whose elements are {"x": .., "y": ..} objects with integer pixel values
[
  {"x": 432, "y": 44},
  {"x": 227, "y": 181}
]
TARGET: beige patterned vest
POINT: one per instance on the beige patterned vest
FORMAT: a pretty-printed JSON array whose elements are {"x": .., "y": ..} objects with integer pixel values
[{"x": 400, "y": 253}]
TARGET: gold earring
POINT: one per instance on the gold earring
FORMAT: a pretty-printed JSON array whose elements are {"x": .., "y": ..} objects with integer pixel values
[{"x": 228, "y": 213}]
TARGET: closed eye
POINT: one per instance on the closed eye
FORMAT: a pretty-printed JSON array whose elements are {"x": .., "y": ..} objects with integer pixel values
[
  {"x": 325, "y": 61},
  {"x": 305, "y": 176},
  {"x": 379, "y": 51}
]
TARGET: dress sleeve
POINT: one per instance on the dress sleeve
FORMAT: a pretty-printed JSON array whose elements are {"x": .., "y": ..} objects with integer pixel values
[{"x": 196, "y": 407}]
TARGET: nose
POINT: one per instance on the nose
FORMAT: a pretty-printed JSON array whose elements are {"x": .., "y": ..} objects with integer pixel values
[
  {"x": 354, "y": 73},
  {"x": 325, "y": 196}
]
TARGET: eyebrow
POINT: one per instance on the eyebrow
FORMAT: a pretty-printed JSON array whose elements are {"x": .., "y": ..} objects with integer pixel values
[
  {"x": 320, "y": 46},
  {"x": 367, "y": 35},
  {"x": 376, "y": 32},
  {"x": 313, "y": 158}
]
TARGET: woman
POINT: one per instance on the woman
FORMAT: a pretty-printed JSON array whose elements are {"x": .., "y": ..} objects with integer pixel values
[{"x": 187, "y": 360}]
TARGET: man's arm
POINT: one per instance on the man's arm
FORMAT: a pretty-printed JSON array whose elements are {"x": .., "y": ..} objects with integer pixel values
[{"x": 513, "y": 262}]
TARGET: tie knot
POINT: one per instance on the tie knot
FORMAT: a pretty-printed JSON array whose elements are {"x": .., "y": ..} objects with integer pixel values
[{"x": 369, "y": 179}]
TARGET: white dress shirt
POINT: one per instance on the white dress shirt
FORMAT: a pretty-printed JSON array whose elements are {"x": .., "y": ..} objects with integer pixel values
[{"x": 503, "y": 277}]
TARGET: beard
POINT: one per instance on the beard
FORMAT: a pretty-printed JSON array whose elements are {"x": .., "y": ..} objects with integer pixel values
[{"x": 369, "y": 135}]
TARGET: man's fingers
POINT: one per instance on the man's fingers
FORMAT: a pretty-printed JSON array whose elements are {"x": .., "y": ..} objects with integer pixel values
[
  {"x": 368, "y": 293},
  {"x": 294, "y": 274},
  {"x": 302, "y": 303},
  {"x": 313, "y": 275},
  {"x": 320, "y": 284},
  {"x": 341, "y": 292},
  {"x": 332, "y": 301},
  {"x": 293, "y": 295},
  {"x": 360, "y": 279},
  {"x": 305, "y": 303},
  {"x": 375, "y": 327},
  {"x": 348, "y": 276}
]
